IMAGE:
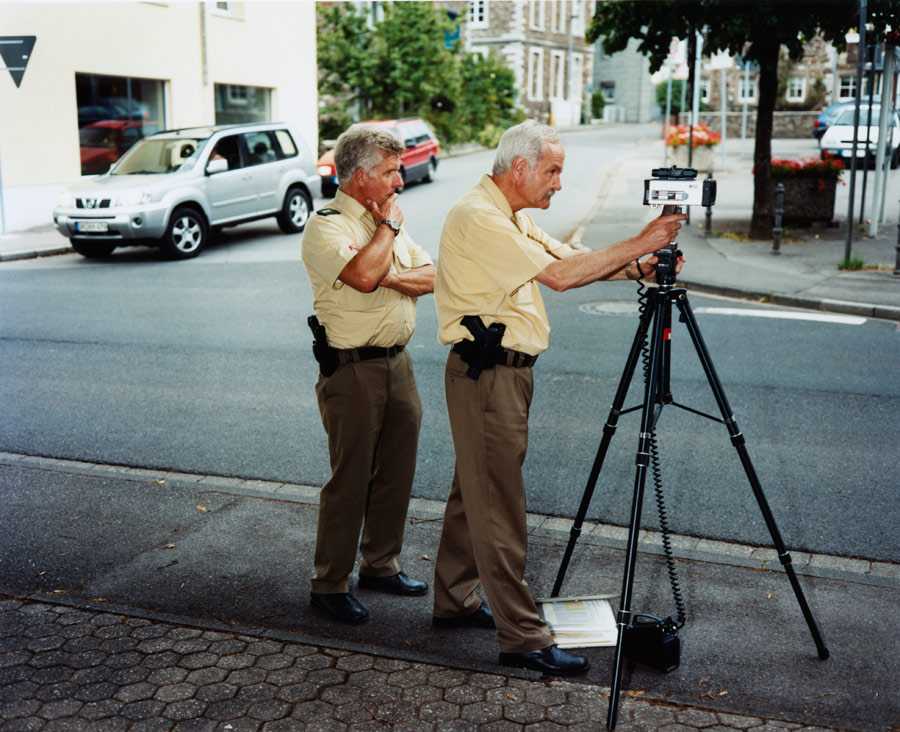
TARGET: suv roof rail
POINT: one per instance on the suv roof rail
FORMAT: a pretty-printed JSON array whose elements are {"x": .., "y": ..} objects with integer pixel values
[{"x": 215, "y": 127}]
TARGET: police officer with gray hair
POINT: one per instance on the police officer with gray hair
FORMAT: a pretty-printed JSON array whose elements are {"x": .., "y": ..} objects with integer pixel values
[
  {"x": 366, "y": 273},
  {"x": 492, "y": 257}
]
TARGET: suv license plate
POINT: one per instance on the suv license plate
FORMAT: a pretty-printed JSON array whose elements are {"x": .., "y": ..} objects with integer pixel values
[{"x": 88, "y": 226}]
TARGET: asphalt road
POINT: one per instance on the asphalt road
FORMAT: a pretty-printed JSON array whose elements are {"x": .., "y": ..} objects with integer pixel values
[{"x": 204, "y": 366}]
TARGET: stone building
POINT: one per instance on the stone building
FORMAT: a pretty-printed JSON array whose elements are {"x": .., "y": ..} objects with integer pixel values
[{"x": 542, "y": 41}]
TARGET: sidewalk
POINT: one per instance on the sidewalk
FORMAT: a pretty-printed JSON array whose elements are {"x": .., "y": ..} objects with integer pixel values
[{"x": 144, "y": 600}]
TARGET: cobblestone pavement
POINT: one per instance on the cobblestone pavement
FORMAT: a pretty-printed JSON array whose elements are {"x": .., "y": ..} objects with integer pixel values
[{"x": 68, "y": 669}]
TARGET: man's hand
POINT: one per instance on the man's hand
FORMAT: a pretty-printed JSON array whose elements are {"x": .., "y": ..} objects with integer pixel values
[
  {"x": 660, "y": 232},
  {"x": 387, "y": 210},
  {"x": 648, "y": 266}
]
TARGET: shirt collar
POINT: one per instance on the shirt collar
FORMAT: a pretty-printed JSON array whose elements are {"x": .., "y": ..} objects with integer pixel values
[
  {"x": 349, "y": 205},
  {"x": 496, "y": 196}
]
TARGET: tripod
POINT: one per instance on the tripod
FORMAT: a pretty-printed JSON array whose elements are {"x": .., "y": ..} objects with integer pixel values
[{"x": 657, "y": 393}]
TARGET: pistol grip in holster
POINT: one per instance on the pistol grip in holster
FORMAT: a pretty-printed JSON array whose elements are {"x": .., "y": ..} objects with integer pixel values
[
  {"x": 480, "y": 353},
  {"x": 326, "y": 356}
]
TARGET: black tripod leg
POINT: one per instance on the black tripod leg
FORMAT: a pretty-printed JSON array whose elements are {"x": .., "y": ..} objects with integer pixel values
[
  {"x": 654, "y": 378},
  {"x": 737, "y": 439},
  {"x": 609, "y": 430}
]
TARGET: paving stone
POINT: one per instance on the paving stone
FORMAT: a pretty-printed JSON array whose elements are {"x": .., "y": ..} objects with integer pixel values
[
  {"x": 247, "y": 676},
  {"x": 155, "y": 645},
  {"x": 447, "y": 678},
  {"x": 87, "y": 643},
  {"x": 368, "y": 678},
  {"x": 311, "y": 710},
  {"x": 501, "y": 725},
  {"x": 96, "y": 692},
  {"x": 464, "y": 694},
  {"x": 738, "y": 721},
  {"x": 545, "y": 696},
  {"x": 677, "y": 728},
  {"x": 696, "y": 718},
  {"x": 57, "y": 709},
  {"x": 241, "y": 725},
  {"x": 160, "y": 660},
  {"x": 226, "y": 710},
  {"x": 45, "y": 643},
  {"x": 235, "y": 661},
  {"x": 216, "y": 692},
  {"x": 391, "y": 664},
  {"x": 182, "y": 710},
  {"x": 421, "y": 694},
  {"x": 68, "y": 724},
  {"x": 256, "y": 693},
  {"x": 164, "y": 676},
  {"x": 19, "y": 708},
  {"x": 523, "y": 713},
  {"x": 394, "y": 713},
  {"x": 651, "y": 717},
  {"x": 100, "y": 709},
  {"x": 184, "y": 633},
  {"x": 111, "y": 724},
  {"x": 52, "y": 675},
  {"x": 148, "y": 632},
  {"x": 439, "y": 710},
  {"x": 143, "y": 709},
  {"x": 130, "y": 675},
  {"x": 226, "y": 646},
  {"x": 315, "y": 661},
  {"x": 545, "y": 726},
  {"x": 298, "y": 693},
  {"x": 202, "y": 676},
  {"x": 49, "y": 692},
  {"x": 76, "y": 631},
  {"x": 353, "y": 715},
  {"x": 191, "y": 645},
  {"x": 136, "y": 692},
  {"x": 26, "y": 724},
  {"x": 326, "y": 677},
  {"x": 199, "y": 660},
  {"x": 195, "y": 725},
  {"x": 287, "y": 676},
  {"x": 175, "y": 692},
  {"x": 355, "y": 662},
  {"x": 106, "y": 632},
  {"x": 93, "y": 675},
  {"x": 151, "y": 725},
  {"x": 568, "y": 714}
]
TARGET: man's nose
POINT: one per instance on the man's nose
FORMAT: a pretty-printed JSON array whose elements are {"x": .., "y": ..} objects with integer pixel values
[{"x": 557, "y": 183}]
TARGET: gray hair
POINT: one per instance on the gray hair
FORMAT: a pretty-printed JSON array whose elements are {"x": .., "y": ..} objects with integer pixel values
[
  {"x": 363, "y": 146},
  {"x": 525, "y": 140}
]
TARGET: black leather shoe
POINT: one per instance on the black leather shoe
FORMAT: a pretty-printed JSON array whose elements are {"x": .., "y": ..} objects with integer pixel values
[
  {"x": 481, "y": 618},
  {"x": 550, "y": 660},
  {"x": 398, "y": 584},
  {"x": 341, "y": 606}
]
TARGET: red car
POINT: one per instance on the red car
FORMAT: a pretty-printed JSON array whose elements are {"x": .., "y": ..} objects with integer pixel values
[
  {"x": 104, "y": 142},
  {"x": 419, "y": 162}
]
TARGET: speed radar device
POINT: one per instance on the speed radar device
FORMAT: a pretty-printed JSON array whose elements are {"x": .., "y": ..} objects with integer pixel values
[{"x": 678, "y": 187}]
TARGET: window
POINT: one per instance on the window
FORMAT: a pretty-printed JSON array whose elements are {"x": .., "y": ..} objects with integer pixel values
[
  {"x": 705, "y": 89},
  {"x": 241, "y": 104},
  {"x": 796, "y": 89},
  {"x": 847, "y": 88},
  {"x": 537, "y": 14},
  {"x": 577, "y": 75},
  {"x": 747, "y": 89},
  {"x": 608, "y": 89},
  {"x": 114, "y": 112},
  {"x": 224, "y": 8},
  {"x": 557, "y": 74},
  {"x": 578, "y": 19},
  {"x": 558, "y": 16},
  {"x": 536, "y": 74},
  {"x": 286, "y": 143},
  {"x": 478, "y": 13},
  {"x": 260, "y": 146}
]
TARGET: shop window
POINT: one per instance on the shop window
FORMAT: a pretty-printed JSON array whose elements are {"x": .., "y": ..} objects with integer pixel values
[
  {"x": 237, "y": 104},
  {"x": 114, "y": 112}
]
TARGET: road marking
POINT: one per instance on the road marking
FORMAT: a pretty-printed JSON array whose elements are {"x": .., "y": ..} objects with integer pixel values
[{"x": 786, "y": 315}]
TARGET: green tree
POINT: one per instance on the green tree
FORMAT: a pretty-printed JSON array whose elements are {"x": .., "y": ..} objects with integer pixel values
[
  {"x": 755, "y": 29},
  {"x": 402, "y": 66}
]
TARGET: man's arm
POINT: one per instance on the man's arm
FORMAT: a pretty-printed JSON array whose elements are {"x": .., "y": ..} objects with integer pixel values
[
  {"x": 609, "y": 263},
  {"x": 372, "y": 263},
  {"x": 412, "y": 282}
]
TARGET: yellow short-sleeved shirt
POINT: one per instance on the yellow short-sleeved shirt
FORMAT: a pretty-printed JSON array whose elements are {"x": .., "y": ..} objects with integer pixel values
[
  {"x": 487, "y": 262},
  {"x": 353, "y": 319}
]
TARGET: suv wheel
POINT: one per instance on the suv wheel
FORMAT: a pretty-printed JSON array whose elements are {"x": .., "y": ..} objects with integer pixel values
[
  {"x": 92, "y": 249},
  {"x": 294, "y": 211},
  {"x": 186, "y": 234}
]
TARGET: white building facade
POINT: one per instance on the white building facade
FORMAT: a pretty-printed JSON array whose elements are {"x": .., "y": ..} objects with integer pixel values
[{"x": 102, "y": 75}]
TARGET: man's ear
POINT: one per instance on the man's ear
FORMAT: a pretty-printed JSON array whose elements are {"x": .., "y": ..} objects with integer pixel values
[
  {"x": 359, "y": 176},
  {"x": 520, "y": 168}
]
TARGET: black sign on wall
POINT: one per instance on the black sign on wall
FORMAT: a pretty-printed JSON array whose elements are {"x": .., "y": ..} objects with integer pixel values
[{"x": 16, "y": 51}]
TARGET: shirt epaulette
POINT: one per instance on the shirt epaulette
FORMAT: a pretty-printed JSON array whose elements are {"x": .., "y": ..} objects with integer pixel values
[{"x": 328, "y": 212}]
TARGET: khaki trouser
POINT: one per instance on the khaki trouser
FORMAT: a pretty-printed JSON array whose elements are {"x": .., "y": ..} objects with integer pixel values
[
  {"x": 371, "y": 412},
  {"x": 484, "y": 537}
]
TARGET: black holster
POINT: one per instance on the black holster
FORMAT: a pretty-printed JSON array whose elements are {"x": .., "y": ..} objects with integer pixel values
[
  {"x": 328, "y": 357},
  {"x": 482, "y": 352}
]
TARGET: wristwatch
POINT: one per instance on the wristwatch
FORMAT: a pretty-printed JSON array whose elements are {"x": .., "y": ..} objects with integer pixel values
[{"x": 395, "y": 227}]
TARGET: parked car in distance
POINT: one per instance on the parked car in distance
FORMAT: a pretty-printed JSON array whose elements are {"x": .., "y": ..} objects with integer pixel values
[
  {"x": 826, "y": 117},
  {"x": 418, "y": 163},
  {"x": 102, "y": 143},
  {"x": 838, "y": 139},
  {"x": 172, "y": 188}
]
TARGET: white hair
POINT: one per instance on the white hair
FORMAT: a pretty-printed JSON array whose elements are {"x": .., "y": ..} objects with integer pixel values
[{"x": 526, "y": 140}]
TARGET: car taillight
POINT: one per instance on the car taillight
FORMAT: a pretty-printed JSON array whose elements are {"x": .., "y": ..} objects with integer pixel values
[{"x": 816, "y": 123}]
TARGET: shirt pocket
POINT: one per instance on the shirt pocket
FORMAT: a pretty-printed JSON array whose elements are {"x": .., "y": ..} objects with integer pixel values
[
  {"x": 402, "y": 255},
  {"x": 524, "y": 295}
]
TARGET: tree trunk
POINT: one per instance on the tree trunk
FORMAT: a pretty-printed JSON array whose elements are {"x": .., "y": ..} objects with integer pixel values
[{"x": 763, "y": 207}]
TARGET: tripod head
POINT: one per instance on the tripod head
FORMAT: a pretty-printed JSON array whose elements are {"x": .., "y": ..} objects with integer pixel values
[{"x": 672, "y": 189}]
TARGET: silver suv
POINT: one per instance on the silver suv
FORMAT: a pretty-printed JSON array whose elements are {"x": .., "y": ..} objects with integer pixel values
[{"x": 173, "y": 188}]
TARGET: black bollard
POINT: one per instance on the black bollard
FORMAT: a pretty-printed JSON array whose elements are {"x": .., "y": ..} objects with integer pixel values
[
  {"x": 779, "y": 211},
  {"x": 709, "y": 210}
]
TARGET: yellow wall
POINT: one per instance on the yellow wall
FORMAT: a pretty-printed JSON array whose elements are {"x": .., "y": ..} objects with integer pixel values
[{"x": 262, "y": 44}]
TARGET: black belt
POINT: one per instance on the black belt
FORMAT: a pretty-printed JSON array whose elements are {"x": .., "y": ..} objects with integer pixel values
[
  {"x": 503, "y": 356},
  {"x": 367, "y": 353}
]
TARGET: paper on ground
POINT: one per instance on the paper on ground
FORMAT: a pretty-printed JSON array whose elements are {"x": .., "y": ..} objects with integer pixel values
[{"x": 579, "y": 622}]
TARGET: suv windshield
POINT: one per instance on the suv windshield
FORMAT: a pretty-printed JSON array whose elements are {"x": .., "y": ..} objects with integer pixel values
[
  {"x": 846, "y": 117},
  {"x": 159, "y": 155}
]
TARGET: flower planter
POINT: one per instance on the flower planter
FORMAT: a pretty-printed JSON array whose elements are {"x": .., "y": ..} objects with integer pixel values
[
  {"x": 806, "y": 200},
  {"x": 702, "y": 159}
]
